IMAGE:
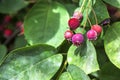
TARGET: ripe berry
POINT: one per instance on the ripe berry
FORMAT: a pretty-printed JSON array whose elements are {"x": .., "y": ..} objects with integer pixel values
[
  {"x": 97, "y": 28},
  {"x": 92, "y": 35},
  {"x": 73, "y": 23},
  {"x": 77, "y": 39},
  {"x": 68, "y": 35},
  {"x": 78, "y": 15},
  {"x": 7, "y": 33},
  {"x": 7, "y": 19}
]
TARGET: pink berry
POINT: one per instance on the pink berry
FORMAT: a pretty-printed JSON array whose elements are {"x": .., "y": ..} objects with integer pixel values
[
  {"x": 73, "y": 23},
  {"x": 68, "y": 35},
  {"x": 92, "y": 35},
  {"x": 19, "y": 24},
  {"x": 77, "y": 39},
  {"x": 78, "y": 15},
  {"x": 7, "y": 33},
  {"x": 7, "y": 19},
  {"x": 97, "y": 28}
]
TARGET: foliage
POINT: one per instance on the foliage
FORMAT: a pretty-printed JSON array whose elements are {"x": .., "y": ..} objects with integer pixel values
[{"x": 33, "y": 47}]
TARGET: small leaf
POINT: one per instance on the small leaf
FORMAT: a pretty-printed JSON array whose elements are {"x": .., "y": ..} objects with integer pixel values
[
  {"x": 31, "y": 63},
  {"x": 84, "y": 57},
  {"x": 11, "y": 6},
  {"x": 112, "y": 43},
  {"x": 74, "y": 73},
  {"x": 46, "y": 23},
  {"x": 3, "y": 51},
  {"x": 106, "y": 72},
  {"x": 115, "y": 3}
]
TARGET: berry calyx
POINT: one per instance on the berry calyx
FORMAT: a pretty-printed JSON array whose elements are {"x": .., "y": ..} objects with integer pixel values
[
  {"x": 73, "y": 23},
  {"x": 68, "y": 35},
  {"x": 78, "y": 15},
  {"x": 105, "y": 22},
  {"x": 77, "y": 39},
  {"x": 92, "y": 35},
  {"x": 7, "y": 33},
  {"x": 97, "y": 28}
]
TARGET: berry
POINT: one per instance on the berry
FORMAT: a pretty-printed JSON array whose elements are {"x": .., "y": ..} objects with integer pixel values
[
  {"x": 68, "y": 35},
  {"x": 77, "y": 39},
  {"x": 73, "y": 23},
  {"x": 7, "y": 19},
  {"x": 97, "y": 28},
  {"x": 7, "y": 33},
  {"x": 19, "y": 24},
  {"x": 92, "y": 35},
  {"x": 78, "y": 15}
]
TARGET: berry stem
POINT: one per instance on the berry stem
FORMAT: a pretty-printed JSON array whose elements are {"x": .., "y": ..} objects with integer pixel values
[
  {"x": 82, "y": 6},
  {"x": 87, "y": 17},
  {"x": 95, "y": 15},
  {"x": 89, "y": 21},
  {"x": 87, "y": 14}
]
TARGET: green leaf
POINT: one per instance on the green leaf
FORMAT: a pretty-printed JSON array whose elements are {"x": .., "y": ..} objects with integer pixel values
[
  {"x": 109, "y": 72},
  {"x": 112, "y": 43},
  {"x": 84, "y": 57},
  {"x": 74, "y": 73},
  {"x": 85, "y": 9},
  {"x": 97, "y": 8},
  {"x": 20, "y": 42},
  {"x": 101, "y": 56},
  {"x": 3, "y": 51},
  {"x": 100, "y": 11},
  {"x": 46, "y": 23},
  {"x": 31, "y": 63},
  {"x": 11, "y": 6},
  {"x": 70, "y": 8},
  {"x": 115, "y": 3}
]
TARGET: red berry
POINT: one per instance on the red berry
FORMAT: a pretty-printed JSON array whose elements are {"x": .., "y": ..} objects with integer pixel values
[
  {"x": 73, "y": 23},
  {"x": 7, "y": 19},
  {"x": 97, "y": 28},
  {"x": 77, "y": 15},
  {"x": 77, "y": 39},
  {"x": 68, "y": 35},
  {"x": 92, "y": 35},
  {"x": 7, "y": 33}
]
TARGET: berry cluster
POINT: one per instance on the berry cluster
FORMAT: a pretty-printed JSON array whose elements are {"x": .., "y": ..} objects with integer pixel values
[
  {"x": 7, "y": 32},
  {"x": 94, "y": 32},
  {"x": 78, "y": 38}
]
